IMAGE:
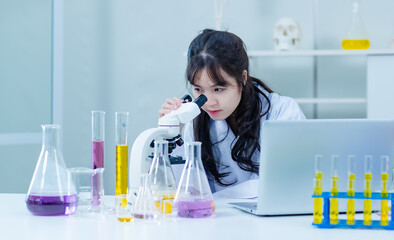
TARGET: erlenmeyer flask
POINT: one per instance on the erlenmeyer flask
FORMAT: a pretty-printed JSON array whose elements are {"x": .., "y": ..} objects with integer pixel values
[
  {"x": 51, "y": 190},
  {"x": 193, "y": 198},
  {"x": 161, "y": 177},
  {"x": 356, "y": 36},
  {"x": 144, "y": 206}
]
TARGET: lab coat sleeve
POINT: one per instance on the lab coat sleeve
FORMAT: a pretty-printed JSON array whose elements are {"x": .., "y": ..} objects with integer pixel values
[{"x": 285, "y": 108}]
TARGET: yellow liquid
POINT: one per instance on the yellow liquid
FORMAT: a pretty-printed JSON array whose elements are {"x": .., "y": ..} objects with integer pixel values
[
  {"x": 334, "y": 201},
  {"x": 167, "y": 208},
  {"x": 318, "y": 202},
  {"x": 384, "y": 204},
  {"x": 125, "y": 219},
  {"x": 317, "y": 210},
  {"x": 350, "y": 211},
  {"x": 384, "y": 212},
  {"x": 122, "y": 169},
  {"x": 349, "y": 44},
  {"x": 367, "y": 203},
  {"x": 351, "y": 202}
]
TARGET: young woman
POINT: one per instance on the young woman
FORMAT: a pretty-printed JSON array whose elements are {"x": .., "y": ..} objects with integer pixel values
[{"x": 229, "y": 126}]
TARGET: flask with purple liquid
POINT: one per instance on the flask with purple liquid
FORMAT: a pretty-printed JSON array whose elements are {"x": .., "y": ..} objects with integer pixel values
[
  {"x": 51, "y": 190},
  {"x": 194, "y": 197}
]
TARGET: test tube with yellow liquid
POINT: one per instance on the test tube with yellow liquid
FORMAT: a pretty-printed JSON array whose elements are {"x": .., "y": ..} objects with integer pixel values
[
  {"x": 317, "y": 190},
  {"x": 334, "y": 190},
  {"x": 384, "y": 209},
  {"x": 122, "y": 152},
  {"x": 351, "y": 190},
  {"x": 367, "y": 189}
]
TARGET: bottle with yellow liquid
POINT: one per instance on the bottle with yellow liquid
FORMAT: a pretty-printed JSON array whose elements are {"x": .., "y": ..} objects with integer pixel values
[
  {"x": 368, "y": 190},
  {"x": 161, "y": 177},
  {"x": 384, "y": 210},
  {"x": 317, "y": 190},
  {"x": 334, "y": 190},
  {"x": 351, "y": 190},
  {"x": 356, "y": 36}
]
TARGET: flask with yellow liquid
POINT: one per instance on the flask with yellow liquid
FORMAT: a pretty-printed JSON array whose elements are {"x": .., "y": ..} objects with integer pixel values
[{"x": 356, "y": 36}]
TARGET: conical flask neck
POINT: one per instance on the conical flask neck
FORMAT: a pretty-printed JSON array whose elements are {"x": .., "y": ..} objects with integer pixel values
[
  {"x": 193, "y": 153},
  {"x": 161, "y": 148},
  {"x": 50, "y": 136}
]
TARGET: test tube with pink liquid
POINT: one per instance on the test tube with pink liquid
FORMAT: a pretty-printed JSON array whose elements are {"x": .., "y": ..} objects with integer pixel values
[{"x": 98, "y": 136}]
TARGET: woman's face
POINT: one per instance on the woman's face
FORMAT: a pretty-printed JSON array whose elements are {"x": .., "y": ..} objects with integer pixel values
[{"x": 222, "y": 100}]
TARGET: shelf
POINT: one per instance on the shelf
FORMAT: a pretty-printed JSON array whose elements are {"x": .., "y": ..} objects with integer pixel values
[
  {"x": 330, "y": 100},
  {"x": 306, "y": 53}
]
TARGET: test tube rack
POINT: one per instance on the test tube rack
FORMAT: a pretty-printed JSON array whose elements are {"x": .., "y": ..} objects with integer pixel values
[{"x": 342, "y": 223}]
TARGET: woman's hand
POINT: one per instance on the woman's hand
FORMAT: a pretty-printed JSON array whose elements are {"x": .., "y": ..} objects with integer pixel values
[{"x": 171, "y": 104}]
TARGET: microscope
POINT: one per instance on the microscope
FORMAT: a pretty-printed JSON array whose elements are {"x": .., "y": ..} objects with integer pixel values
[{"x": 168, "y": 129}]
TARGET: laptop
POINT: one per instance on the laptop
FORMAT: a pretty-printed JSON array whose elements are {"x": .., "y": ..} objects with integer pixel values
[{"x": 287, "y": 167}]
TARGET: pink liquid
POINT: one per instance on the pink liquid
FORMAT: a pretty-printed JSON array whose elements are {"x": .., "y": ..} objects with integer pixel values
[
  {"x": 97, "y": 162},
  {"x": 52, "y": 205},
  {"x": 98, "y": 154},
  {"x": 197, "y": 208}
]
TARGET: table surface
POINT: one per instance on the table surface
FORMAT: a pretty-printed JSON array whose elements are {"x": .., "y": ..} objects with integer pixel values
[{"x": 227, "y": 223}]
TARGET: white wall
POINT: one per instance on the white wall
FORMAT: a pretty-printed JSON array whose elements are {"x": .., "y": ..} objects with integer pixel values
[{"x": 128, "y": 55}]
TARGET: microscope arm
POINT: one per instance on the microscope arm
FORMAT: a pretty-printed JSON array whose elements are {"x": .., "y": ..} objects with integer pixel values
[{"x": 141, "y": 150}]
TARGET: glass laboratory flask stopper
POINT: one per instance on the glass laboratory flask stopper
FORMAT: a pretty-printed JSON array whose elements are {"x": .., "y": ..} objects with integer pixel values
[
  {"x": 356, "y": 36},
  {"x": 194, "y": 198},
  {"x": 51, "y": 190}
]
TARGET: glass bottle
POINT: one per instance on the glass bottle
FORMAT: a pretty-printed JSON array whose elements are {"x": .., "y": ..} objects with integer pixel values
[
  {"x": 51, "y": 190},
  {"x": 161, "y": 177},
  {"x": 356, "y": 36},
  {"x": 193, "y": 198}
]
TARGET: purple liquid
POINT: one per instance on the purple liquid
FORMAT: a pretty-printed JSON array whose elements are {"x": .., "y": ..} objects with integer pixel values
[
  {"x": 197, "y": 208},
  {"x": 52, "y": 205},
  {"x": 98, "y": 154},
  {"x": 97, "y": 162}
]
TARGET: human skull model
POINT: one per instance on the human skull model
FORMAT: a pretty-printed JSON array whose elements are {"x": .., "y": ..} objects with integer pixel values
[{"x": 287, "y": 34}]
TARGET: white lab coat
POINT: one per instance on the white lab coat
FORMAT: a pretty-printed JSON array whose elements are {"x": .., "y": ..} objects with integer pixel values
[{"x": 282, "y": 108}]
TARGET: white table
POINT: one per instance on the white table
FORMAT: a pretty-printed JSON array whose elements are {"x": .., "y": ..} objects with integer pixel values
[{"x": 227, "y": 223}]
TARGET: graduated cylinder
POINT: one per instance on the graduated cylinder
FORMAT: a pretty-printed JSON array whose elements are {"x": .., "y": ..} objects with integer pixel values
[{"x": 122, "y": 152}]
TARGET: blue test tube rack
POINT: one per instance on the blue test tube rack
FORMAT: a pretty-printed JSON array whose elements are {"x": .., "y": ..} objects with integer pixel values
[{"x": 357, "y": 223}]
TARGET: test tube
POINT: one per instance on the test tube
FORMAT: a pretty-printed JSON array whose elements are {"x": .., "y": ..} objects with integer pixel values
[
  {"x": 351, "y": 160},
  {"x": 334, "y": 190},
  {"x": 98, "y": 136},
  {"x": 367, "y": 189},
  {"x": 122, "y": 152},
  {"x": 318, "y": 189},
  {"x": 384, "y": 210}
]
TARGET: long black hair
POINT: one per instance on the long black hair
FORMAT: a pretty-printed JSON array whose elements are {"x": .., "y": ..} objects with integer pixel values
[{"x": 220, "y": 50}]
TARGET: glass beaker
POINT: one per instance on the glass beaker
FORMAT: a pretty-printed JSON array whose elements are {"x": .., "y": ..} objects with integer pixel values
[
  {"x": 51, "y": 191},
  {"x": 193, "y": 198},
  {"x": 161, "y": 177},
  {"x": 356, "y": 36},
  {"x": 144, "y": 206},
  {"x": 89, "y": 185}
]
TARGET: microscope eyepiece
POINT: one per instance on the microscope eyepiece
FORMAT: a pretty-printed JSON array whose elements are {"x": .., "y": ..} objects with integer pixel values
[{"x": 201, "y": 100}]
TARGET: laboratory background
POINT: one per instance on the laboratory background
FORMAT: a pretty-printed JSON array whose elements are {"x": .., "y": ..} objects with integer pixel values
[{"x": 128, "y": 55}]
